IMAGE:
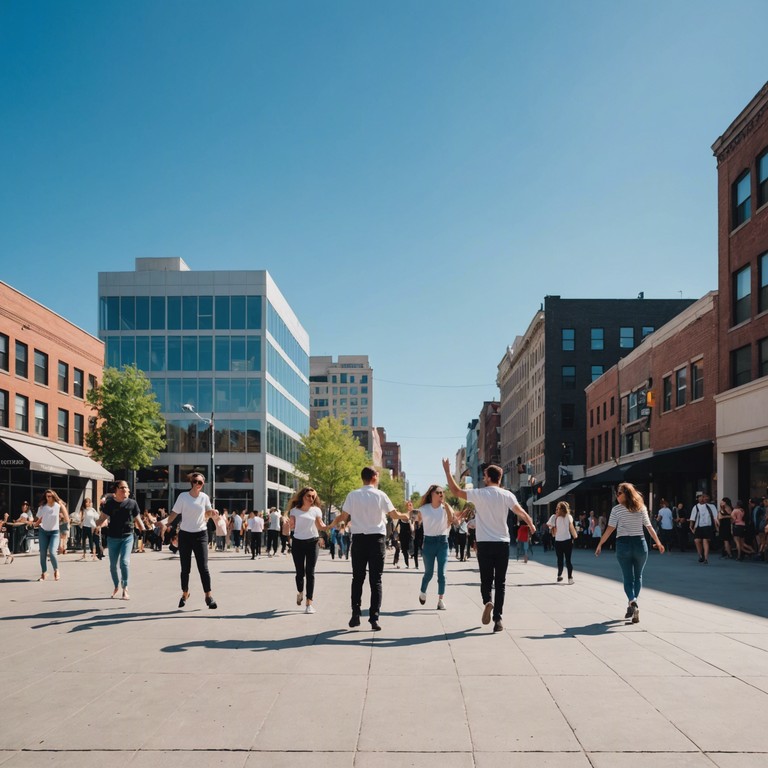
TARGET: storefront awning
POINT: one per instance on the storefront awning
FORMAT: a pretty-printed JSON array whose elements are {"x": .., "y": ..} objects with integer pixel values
[
  {"x": 36, "y": 457},
  {"x": 84, "y": 465},
  {"x": 558, "y": 494},
  {"x": 33, "y": 454}
]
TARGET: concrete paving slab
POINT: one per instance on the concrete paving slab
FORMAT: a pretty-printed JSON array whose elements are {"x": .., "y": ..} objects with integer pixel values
[
  {"x": 666, "y": 650},
  {"x": 730, "y": 655},
  {"x": 311, "y": 759},
  {"x": 561, "y": 655},
  {"x": 188, "y": 759},
  {"x": 76, "y": 759},
  {"x": 738, "y": 760},
  {"x": 532, "y": 759},
  {"x": 654, "y": 760},
  {"x": 414, "y": 760}
]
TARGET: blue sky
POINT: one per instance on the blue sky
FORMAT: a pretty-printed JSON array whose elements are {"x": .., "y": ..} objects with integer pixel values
[{"x": 416, "y": 176}]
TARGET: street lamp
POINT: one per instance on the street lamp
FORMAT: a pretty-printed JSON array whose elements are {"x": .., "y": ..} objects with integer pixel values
[{"x": 189, "y": 408}]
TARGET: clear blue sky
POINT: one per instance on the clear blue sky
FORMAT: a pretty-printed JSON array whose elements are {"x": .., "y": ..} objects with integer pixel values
[{"x": 416, "y": 175}]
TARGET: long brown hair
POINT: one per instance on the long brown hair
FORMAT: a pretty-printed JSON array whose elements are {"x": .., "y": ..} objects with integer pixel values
[
  {"x": 427, "y": 497},
  {"x": 633, "y": 499},
  {"x": 297, "y": 500},
  {"x": 56, "y": 498},
  {"x": 562, "y": 505}
]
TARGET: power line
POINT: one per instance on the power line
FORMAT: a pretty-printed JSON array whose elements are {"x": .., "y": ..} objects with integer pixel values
[{"x": 432, "y": 386}]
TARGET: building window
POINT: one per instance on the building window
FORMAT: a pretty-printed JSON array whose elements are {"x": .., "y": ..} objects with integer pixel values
[
  {"x": 41, "y": 368},
  {"x": 569, "y": 339},
  {"x": 22, "y": 413},
  {"x": 681, "y": 385},
  {"x": 666, "y": 404},
  {"x": 741, "y": 366},
  {"x": 63, "y": 425},
  {"x": 3, "y": 408},
  {"x": 742, "y": 199},
  {"x": 762, "y": 296},
  {"x": 22, "y": 360},
  {"x": 627, "y": 337},
  {"x": 762, "y": 352},
  {"x": 569, "y": 377},
  {"x": 597, "y": 338},
  {"x": 697, "y": 380},
  {"x": 591, "y": 418},
  {"x": 78, "y": 429},
  {"x": 613, "y": 406},
  {"x": 4, "y": 346},
  {"x": 762, "y": 179},
  {"x": 77, "y": 383},
  {"x": 742, "y": 292},
  {"x": 647, "y": 331},
  {"x": 91, "y": 382},
  {"x": 597, "y": 372},
  {"x": 592, "y": 451},
  {"x": 63, "y": 377},
  {"x": 41, "y": 419}
]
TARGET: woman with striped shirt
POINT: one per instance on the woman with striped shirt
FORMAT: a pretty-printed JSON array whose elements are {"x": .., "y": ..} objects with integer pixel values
[{"x": 628, "y": 518}]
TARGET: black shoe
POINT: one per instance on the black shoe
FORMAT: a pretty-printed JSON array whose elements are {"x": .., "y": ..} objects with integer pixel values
[
  {"x": 375, "y": 626},
  {"x": 635, "y": 613},
  {"x": 355, "y": 620},
  {"x": 630, "y": 611},
  {"x": 211, "y": 603},
  {"x": 182, "y": 602},
  {"x": 498, "y": 626},
  {"x": 705, "y": 561},
  {"x": 701, "y": 559}
]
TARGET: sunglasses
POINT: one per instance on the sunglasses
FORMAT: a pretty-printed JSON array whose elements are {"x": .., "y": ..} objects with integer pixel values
[{"x": 198, "y": 482}]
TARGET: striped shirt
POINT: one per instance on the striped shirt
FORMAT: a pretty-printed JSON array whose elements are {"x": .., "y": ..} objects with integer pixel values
[{"x": 628, "y": 523}]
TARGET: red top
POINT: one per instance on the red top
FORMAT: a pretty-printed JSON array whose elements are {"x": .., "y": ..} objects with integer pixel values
[{"x": 523, "y": 532}]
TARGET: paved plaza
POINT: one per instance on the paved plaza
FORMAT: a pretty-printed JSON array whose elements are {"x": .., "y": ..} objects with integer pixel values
[{"x": 92, "y": 681}]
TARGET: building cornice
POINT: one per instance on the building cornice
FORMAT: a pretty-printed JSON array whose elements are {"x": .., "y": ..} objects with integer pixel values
[{"x": 749, "y": 118}]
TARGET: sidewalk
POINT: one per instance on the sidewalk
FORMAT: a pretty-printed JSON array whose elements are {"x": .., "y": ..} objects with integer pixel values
[{"x": 87, "y": 679}]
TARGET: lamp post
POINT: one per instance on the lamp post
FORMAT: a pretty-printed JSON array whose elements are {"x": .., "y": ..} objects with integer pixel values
[{"x": 189, "y": 408}]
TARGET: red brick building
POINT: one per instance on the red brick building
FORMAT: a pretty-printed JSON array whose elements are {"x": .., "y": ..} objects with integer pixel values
[
  {"x": 47, "y": 366},
  {"x": 390, "y": 454},
  {"x": 489, "y": 440}
]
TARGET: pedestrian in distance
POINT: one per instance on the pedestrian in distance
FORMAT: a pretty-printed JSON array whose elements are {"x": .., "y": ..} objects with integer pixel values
[
  {"x": 666, "y": 520},
  {"x": 123, "y": 516},
  {"x": 491, "y": 505},
  {"x": 255, "y": 525},
  {"x": 49, "y": 513},
  {"x": 564, "y": 533},
  {"x": 436, "y": 517},
  {"x": 306, "y": 521},
  {"x": 273, "y": 532},
  {"x": 725, "y": 527},
  {"x": 367, "y": 509},
  {"x": 703, "y": 524},
  {"x": 194, "y": 508},
  {"x": 739, "y": 527},
  {"x": 628, "y": 518}
]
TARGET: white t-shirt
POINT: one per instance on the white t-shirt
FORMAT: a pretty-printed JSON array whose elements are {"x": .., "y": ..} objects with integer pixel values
[
  {"x": 703, "y": 514},
  {"x": 666, "y": 521},
  {"x": 492, "y": 505},
  {"x": 192, "y": 511},
  {"x": 90, "y": 516},
  {"x": 256, "y": 524},
  {"x": 562, "y": 526},
  {"x": 305, "y": 522},
  {"x": 274, "y": 521},
  {"x": 237, "y": 522},
  {"x": 435, "y": 520},
  {"x": 368, "y": 508},
  {"x": 49, "y": 516}
]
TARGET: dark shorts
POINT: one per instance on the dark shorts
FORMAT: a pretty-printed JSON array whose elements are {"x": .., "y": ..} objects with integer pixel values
[
  {"x": 740, "y": 531},
  {"x": 703, "y": 532}
]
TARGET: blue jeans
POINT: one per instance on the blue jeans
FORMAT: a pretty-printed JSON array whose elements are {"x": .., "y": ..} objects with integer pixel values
[
  {"x": 49, "y": 544},
  {"x": 632, "y": 554},
  {"x": 120, "y": 550},
  {"x": 435, "y": 548}
]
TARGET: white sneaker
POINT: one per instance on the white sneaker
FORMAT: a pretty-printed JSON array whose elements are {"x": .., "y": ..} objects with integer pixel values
[
  {"x": 422, "y": 597},
  {"x": 309, "y": 609},
  {"x": 570, "y": 581},
  {"x": 440, "y": 604}
]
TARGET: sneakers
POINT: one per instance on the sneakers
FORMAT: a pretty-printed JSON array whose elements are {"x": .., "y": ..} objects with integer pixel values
[
  {"x": 701, "y": 559},
  {"x": 487, "y": 610},
  {"x": 309, "y": 609},
  {"x": 498, "y": 626},
  {"x": 299, "y": 598},
  {"x": 630, "y": 611},
  {"x": 440, "y": 604},
  {"x": 422, "y": 597},
  {"x": 570, "y": 580},
  {"x": 559, "y": 579},
  {"x": 354, "y": 621},
  {"x": 635, "y": 613}
]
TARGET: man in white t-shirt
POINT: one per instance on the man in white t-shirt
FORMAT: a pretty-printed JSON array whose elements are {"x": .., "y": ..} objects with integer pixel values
[
  {"x": 666, "y": 521},
  {"x": 492, "y": 504},
  {"x": 273, "y": 532},
  {"x": 368, "y": 509},
  {"x": 704, "y": 524}
]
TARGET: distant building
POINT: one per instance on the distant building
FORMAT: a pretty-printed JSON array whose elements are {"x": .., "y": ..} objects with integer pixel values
[
  {"x": 460, "y": 464},
  {"x": 47, "y": 367},
  {"x": 229, "y": 345},
  {"x": 343, "y": 389},
  {"x": 473, "y": 454},
  {"x": 390, "y": 454},
  {"x": 742, "y": 399},
  {"x": 489, "y": 423}
]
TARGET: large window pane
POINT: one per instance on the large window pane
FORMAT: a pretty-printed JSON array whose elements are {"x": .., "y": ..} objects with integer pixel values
[
  {"x": 174, "y": 313},
  {"x": 157, "y": 353},
  {"x": 127, "y": 350},
  {"x": 253, "y": 313},
  {"x": 221, "y": 304},
  {"x": 127, "y": 313},
  {"x": 189, "y": 353},
  {"x": 189, "y": 393},
  {"x": 742, "y": 199},
  {"x": 254, "y": 394},
  {"x": 142, "y": 313},
  {"x": 189, "y": 313},
  {"x": 175, "y": 396},
  {"x": 204, "y": 395},
  {"x": 254, "y": 353},
  {"x": 205, "y": 313},
  {"x": 221, "y": 395},
  {"x": 239, "y": 400},
  {"x": 142, "y": 353},
  {"x": 157, "y": 313},
  {"x": 112, "y": 351},
  {"x": 222, "y": 353},
  {"x": 174, "y": 353},
  {"x": 237, "y": 313},
  {"x": 110, "y": 313},
  {"x": 237, "y": 353},
  {"x": 205, "y": 353},
  {"x": 742, "y": 294}
]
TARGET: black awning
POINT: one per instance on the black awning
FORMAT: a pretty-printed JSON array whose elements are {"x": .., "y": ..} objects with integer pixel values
[{"x": 695, "y": 457}]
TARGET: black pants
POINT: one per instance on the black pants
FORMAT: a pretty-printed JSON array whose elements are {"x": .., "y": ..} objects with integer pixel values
[
  {"x": 255, "y": 537},
  {"x": 236, "y": 538},
  {"x": 368, "y": 550},
  {"x": 405, "y": 546},
  {"x": 285, "y": 541},
  {"x": 461, "y": 543},
  {"x": 563, "y": 550},
  {"x": 493, "y": 560},
  {"x": 305, "y": 558},
  {"x": 416, "y": 547},
  {"x": 272, "y": 537},
  {"x": 197, "y": 543},
  {"x": 87, "y": 536}
]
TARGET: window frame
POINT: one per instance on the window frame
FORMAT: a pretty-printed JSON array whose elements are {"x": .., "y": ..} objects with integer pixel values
[
  {"x": 623, "y": 337},
  {"x": 597, "y": 338},
  {"x": 742, "y": 304},
  {"x": 41, "y": 368},
  {"x": 697, "y": 380},
  {"x": 64, "y": 389},
  {"x": 681, "y": 386},
  {"x": 742, "y": 374},
  {"x": 21, "y": 361},
  {"x": 567, "y": 339},
  {"x": 762, "y": 178},
  {"x": 741, "y": 209}
]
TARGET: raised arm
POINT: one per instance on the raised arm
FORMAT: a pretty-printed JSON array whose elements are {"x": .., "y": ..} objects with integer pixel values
[
  {"x": 525, "y": 517},
  {"x": 452, "y": 484}
]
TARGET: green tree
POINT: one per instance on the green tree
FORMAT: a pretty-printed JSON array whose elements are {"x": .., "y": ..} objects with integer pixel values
[
  {"x": 130, "y": 430},
  {"x": 331, "y": 459},
  {"x": 393, "y": 487}
]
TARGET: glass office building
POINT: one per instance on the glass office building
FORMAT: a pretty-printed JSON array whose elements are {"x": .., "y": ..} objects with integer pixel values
[{"x": 229, "y": 345}]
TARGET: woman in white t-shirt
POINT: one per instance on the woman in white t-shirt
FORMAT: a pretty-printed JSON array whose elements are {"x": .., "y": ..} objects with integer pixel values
[
  {"x": 89, "y": 515},
  {"x": 306, "y": 523},
  {"x": 564, "y": 533},
  {"x": 436, "y": 516},
  {"x": 49, "y": 514}
]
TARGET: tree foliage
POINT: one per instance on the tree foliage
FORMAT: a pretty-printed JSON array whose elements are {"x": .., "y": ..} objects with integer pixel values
[
  {"x": 130, "y": 429},
  {"x": 332, "y": 459},
  {"x": 394, "y": 488}
]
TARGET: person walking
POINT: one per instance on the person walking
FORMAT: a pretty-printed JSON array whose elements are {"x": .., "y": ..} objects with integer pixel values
[
  {"x": 367, "y": 509},
  {"x": 436, "y": 518},
  {"x": 306, "y": 520},
  {"x": 418, "y": 540},
  {"x": 255, "y": 525},
  {"x": 628, "y": 518},
  {"x": 285, "y": 533},
  {"x": 703, "y": 524},
  {"x": 49, "y": 513},
  {"x": 739, "y": 527},
  {"x": 273, "y": 532},
  {"x": 123, "y": 515},
  {"x": 194, "y": 508},
  {"x": 725, "y": 527},
  {"x": 91, "y": 537},
  {"x": 491, "y": 504},
  {"x": 564, "y": 533},
  {"x": 666, "y": 520},
  {"x": 19, "y": 523}
]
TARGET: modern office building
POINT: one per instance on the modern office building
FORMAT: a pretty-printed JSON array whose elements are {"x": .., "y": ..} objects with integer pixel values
[
  {"x": 47, "y": 366},
  {"x": 343, "y": 389},
  {"x": 742, "y": 399},
  {"x": 569, "y": 343},
  {"x": 228, "y": 346}
]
